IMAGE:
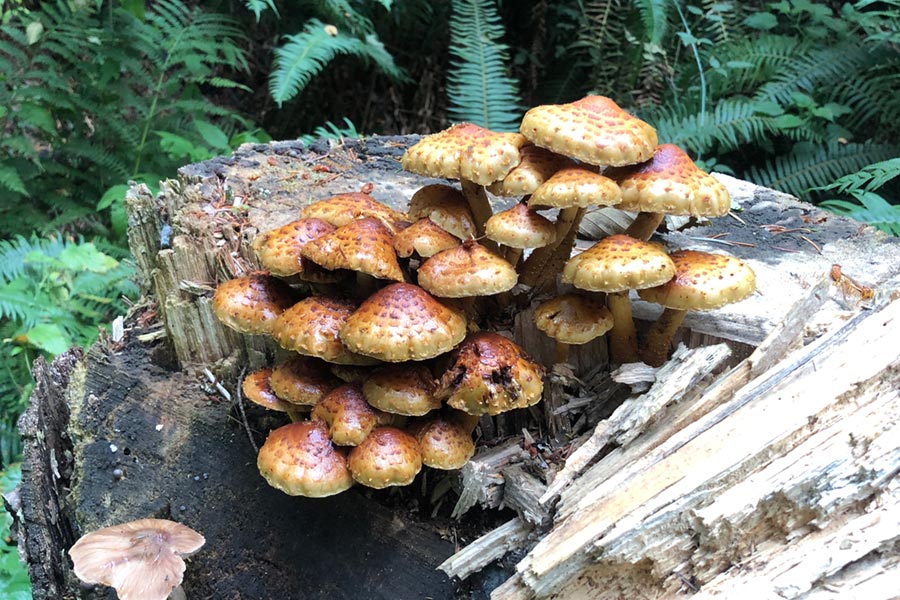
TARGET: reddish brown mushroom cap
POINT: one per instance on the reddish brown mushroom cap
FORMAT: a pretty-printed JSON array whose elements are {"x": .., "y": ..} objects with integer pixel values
[
  {"x": 402, "y": 389},
  {"x": 142, "y": 560},
  {"x": 387, "y": 457},
  {"x": 446, "y": 206},
  {"x": 342, "y": 209},
  {"x": 573, "y": 319},
  {"x": 278, "y": 250},
  {"x": 251, "y": 304},
  {"x": 257, "y": 388},
  {"x": 703, "y": 281},
  {"x": 312, "y": 327},
  {"x": 402, "y": 322},
  {"x": 467, "y": 270},
  {"x": 365, "y": 245},
  {"x": 445, "y": 443},
  {"x": 520, "y": 227},
  {"x": 576, "y": 187},
  {"x": 300, "y": 460},
  {"x": 594, "y": 130},
  {"x": 424, "y": 238},
  {"x": 348, "y": 416},
  {"x": 619, "y": 263},
  {"x": 536, "y": 166},
  {"x": 302, "y": 380}
]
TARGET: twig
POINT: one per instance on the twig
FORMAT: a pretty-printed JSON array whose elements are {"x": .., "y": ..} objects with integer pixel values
[{"x": 240, "y": 404}]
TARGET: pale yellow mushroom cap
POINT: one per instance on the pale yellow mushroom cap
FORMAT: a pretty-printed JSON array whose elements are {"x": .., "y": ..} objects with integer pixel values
[
  {"x": 619, "y": 263},
  {"x": 446, "y": 206},
  {"x": 576, "y": 187},
  {"x": 537, "y": 165},
  {"x": 520, "y": 227},
  {"x": 703, "y": 281},
  {"x": 573, "y": 319},
  {"x": 424, "y": 238},
  {"x": 467, "y": 270}
]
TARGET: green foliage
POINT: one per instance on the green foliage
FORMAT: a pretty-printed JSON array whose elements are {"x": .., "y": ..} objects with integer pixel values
[
  {"x": 14, "y": 582},
  {"x": 867, "y": 206},
  {"x": 479, "y": 88},
  {"x": 330, "y": 131}
]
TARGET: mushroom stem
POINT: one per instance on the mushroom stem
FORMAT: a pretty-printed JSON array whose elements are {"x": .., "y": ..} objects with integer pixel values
[
  {"x": 644, "y": 225},
  {"x": 295, "y": 415},
  {"x": 659, "y": 337},
  {"x": 622, "y": 336},
  {"x": 513, "y": 255},
  {"x": 366, "y": 285},
  {"x": 544, "y": 264},
  {"x": 177, "y": 593},
  {"x": 561, "y": 353},
  {"x": 478, "y": 204}
]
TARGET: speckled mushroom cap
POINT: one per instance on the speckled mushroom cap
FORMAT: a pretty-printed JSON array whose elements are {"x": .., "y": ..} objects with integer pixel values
[
  {"x": 251, "y": 304},
  {"x": 402, "y": 322},
  {"x": 575, "y": 186},
  {"x": 703, "y": 281},
  {"x": 573, "y": 319},
  {"x": 467, "y": 270},
  {"x": 340, "y": 210},
  {"x": 387, "y": 457},
  {"x": 594, "y": 130},
  {"x": 520, "y": 227},
  {"x": 348, "y": 416},
  {"x": 446, "y": 206},
  {"x": 619, "y": 263},
  {"x": 536, "y": 166},
  {"x": 424, "y": 238},
  {"x": 300, "y": 460},
  {"x": 278, "y": 250},
  {"x": 365, "y": 245},
  {"x": 465, "y": 151},
  {"x": 302, "y": 380},
  {"x": 490, "y": 374},
  {"x": 404, "y": 389},
  {"x": 671, "y": 183},
  {"x": 258, "y": 389},
  {"x": 312, "y": 327},
  {"x": 445, "y": 443}
]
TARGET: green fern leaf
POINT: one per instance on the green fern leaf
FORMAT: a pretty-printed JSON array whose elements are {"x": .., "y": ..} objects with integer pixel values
[
  {"x": 731, "y": 124},
  {"x": 9, "y": 178},
  {"x": 655, "y": 18},
  {"x": 869, "y": 178},
  {"x": 871, "y": 209}
]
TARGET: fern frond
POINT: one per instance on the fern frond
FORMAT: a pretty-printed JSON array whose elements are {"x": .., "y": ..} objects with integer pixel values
[
  {"x": 479, "y": 86},
  {"x": 869, "y": 178},
  {"x": 869, "y": 208},
  {"x": 729, "y": 125},
  {"x": 655, "y": 19},
  {"x": 748, "y": 63},
  {"x": 9, "y": 179}
]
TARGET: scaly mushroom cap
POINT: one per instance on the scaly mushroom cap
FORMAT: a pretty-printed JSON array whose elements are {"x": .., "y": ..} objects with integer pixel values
[
  {"x": 618, "y": 263},
  {"x": 467, "y": 270},
  {"x": 445, "y": 443},
  {"x": 348, "y": 416},
  {"x": 490, "y": 374},
  {"x": 342, "y": 209},
  {"x": 594, "y": 130},
  {"x": 703, "y": 281},
  {"x": 251, "y": 304},
  {"x": 312, "y": 327},
  {"x": 385, "y": 458},
  {"x": 537, "y": 165},
  {"x": 671, "y": 183},
  {"x": 278, "y": 250},
  {"x": 257, "y": 388},
  {"x": 300, "y": 460},
  {"x": 424, "y": 238},
  {"x": 365, "y": 245},
  {"x": 465, "y": 151},
  {"x": 446, "y": 206},
  {"x": 302, "y": 380},
  {"x": 401, "y": 390},
  {"x": 573, "y": 319},
  {"x": 576, "y": 187},
  {"x": 141, "y": 560},
  {"x": 520, "y": 227},
  {"x": 402, "y": 322}
]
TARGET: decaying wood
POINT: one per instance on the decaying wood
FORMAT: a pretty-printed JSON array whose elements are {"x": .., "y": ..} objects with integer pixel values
[
  {"x": 522, "y": 492},
  {"x": 492, "y": 546},
  {"x": 482, "y": 477}
]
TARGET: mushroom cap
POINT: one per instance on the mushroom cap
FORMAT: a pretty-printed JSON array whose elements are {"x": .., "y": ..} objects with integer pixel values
[
  {"x": 300, "y": 460},
  {"x": 402, "y": 390},
  {"x": 467, "y": 270},
  {"x": 703, "y": 281},
  {"x": 520, "y": 227},
  {"x": 347, "y": 414},
  {"x": 402, "y": 322},
  {"x": 576, "y": 186},
  {"x": 278, "y": 250},
  {"x": 351, "y": 373},
  {"x": 387, "y": 457},
  {"x": 302, "y": 380},
  {"x": 257, "y": 388},
  {"x": 671, "y": 183},
  {"x": 251, "y": 304},
  {"x": 364, "y": 245},
  {"x": 444, "y": 442},
  {"x": 424, "y": 238},
  {"x": 618, "y": 263},
  {"x": 342, "y": 209},
  {"x": 490, "y": 374},
  {"x": 594, "y": 130},
  {"x": 141, "y": 559},
  {"x": 573, "y": 319},
  {"x": 465, "y": 151},
  {"x": 446, "y": 206},
  {"x": 536, "y": 166},
  {"x": 312, "y": 327}
]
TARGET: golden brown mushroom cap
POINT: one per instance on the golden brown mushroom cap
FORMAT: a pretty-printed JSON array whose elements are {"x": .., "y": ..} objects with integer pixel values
[
  {"x": 402, "y": 322},
  {"x": 573, "y": 319},
  {"x": 424, "y": 238},
  {"x": 575, "y": 186},
  {"x": 466, "y": 270},
  {"x": 446, "y": 206},
  {"x": 490, "y": 374},
  {"x": 703, "y": 281},
  {"x": 520, "y": 227},
  {"x": 278, "y": 250},
  {"x": 402, "y": 389},
  {"x": 364, "y": 245},
  {"x": 141, "y": 560},
  {"x": 257, "y": 388},
  {"x": 445, "y": 443},
  {"x": 300, "y": 460},
  {"x": 302, "y": 380},
  {"x": 465, "y": 151},
  {"x": 342, "y": 209},
  {"x": 618, "y": 263},
  {"x": 537, "y": 165},
  {"x": 594, "y": 130},
  {"x": 347, "y": 414},
  {"x": 251, "y": 304},
  {"x": 385, "y": 458}
]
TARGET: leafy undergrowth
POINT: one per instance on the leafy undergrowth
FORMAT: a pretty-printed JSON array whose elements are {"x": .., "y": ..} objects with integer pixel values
[{"x": 14, "y": 583}]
